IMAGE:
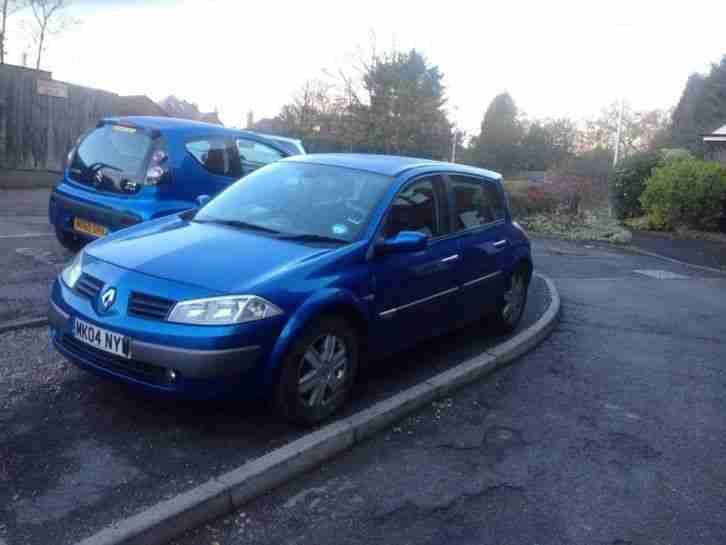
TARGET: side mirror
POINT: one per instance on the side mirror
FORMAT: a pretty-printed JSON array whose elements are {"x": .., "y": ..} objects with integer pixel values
[
  {"x": 403, "y": 242},
  {"x": 202, "y": 200}
]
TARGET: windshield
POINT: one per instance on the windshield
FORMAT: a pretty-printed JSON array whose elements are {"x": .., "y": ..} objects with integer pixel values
[
  {"x": 301, "y": 199},
  {"x": 111, "y": 146}
]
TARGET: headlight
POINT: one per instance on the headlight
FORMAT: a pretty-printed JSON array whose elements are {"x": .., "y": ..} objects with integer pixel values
[
  {"x": 234, "y": 309},
  {"x": 72, "y": 272}
]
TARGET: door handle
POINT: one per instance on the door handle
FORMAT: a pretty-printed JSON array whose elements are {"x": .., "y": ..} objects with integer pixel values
[
  {"x": 450, "y": 258},
  {"x": 500, "y": 243}
]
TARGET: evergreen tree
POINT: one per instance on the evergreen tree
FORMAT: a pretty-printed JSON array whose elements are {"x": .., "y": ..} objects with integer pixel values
[{"x": 500, "y": 137}]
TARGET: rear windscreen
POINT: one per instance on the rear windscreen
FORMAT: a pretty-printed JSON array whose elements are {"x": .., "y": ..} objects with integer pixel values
[{"x": 115, "y": 147}]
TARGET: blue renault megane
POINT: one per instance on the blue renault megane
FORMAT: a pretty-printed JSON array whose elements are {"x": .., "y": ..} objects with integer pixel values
[{"x": 288, "y": 281}]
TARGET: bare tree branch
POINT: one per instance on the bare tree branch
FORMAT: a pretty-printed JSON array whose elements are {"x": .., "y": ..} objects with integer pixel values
[
  {"x": 9, "y": 7},
  {"x": 49, "y": 20}
]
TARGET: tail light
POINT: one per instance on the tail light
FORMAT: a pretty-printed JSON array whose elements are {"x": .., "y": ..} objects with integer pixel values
[
  {"x": 158, "y": 170},
  {"x": 73, "y": 150}
]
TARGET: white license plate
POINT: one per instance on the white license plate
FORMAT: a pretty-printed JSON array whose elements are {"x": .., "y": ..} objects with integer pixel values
[{"x": 102, "y": 339}]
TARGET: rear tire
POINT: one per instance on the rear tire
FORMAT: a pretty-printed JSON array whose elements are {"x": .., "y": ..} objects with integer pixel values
[
  {"x": 510, "y": 309},
  {"x": 318, "y": 371},
  {"x": 68, "y": 240}
]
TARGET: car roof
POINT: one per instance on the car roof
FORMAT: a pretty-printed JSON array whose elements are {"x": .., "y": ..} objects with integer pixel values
[
  {"x": 175, "y": 124},
  {"x": 389, "y": 165}
]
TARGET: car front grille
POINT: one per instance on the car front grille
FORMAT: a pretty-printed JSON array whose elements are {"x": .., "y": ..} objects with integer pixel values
[
  {"x": 149, "y": 307},
  {"x": 136, "y": 369},
  {"x": 89, "y": 286}
]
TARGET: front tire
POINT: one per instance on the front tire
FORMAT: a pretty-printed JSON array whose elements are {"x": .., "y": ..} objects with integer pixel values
[
  {"x": 318, "y": 371},
  {"x": 510, "y": 309}
]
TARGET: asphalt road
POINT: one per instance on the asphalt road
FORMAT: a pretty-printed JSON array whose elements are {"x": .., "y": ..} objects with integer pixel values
[
  {"x": 612, "y": 432},
  {"x": 708, "y": 253},
  {"x": 78, "y": 453},
  {"x": 31, "y": 257}
]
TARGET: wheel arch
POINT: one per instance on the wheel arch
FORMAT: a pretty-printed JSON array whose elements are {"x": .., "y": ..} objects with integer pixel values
[{"x": 335, "y": 301}]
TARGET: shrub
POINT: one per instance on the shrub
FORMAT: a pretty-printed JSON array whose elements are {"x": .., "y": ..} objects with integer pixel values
[
  {"x": 686, "y": 192},
  {"x": 525, "y": 201},
  {"x": 674, "y": 154},
  {"x": 627, "y": 183}
]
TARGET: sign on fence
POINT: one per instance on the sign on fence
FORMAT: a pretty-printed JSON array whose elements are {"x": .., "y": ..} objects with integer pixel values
[{"x": 52, "y": 88}]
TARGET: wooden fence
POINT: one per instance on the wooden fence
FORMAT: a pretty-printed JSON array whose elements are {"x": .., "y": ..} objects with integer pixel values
[{"x": 40, "y": 119}]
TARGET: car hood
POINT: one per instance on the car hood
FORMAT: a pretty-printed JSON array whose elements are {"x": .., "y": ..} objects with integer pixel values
[{"x": 216, "y": 257}]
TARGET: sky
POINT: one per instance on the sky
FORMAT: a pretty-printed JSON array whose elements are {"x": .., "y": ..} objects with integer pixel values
[{"x": 556, "y": 58}]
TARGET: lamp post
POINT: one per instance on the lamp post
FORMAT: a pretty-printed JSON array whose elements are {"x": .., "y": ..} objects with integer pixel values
[{"x": 455, "y": 133}]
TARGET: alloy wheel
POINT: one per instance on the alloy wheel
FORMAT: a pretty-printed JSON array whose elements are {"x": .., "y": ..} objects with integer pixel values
[
  {"x": 514, "y": 299},
  {"x": 323, "y": 371}
]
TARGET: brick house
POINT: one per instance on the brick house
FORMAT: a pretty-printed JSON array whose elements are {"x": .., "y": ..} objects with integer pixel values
[{"x": 716, "y": 145}]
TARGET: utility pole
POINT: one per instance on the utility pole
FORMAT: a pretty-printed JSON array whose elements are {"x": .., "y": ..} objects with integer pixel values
[
  {"x": 454, "y": 136},
  {"x": 453, "y": 147},
  {"x": 618, "y": 133}
]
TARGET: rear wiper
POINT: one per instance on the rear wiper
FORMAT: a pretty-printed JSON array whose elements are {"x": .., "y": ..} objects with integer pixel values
[
  {"x": 98, "y": 165},
  {"x": 239, "y": 225},
  {"x": 311, "y": 237}
]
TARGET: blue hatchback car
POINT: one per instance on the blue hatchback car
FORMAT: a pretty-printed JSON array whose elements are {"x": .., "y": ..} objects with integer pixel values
[
  {"x": 133, "y": 169},
  {"x": 282, "y": 285}
]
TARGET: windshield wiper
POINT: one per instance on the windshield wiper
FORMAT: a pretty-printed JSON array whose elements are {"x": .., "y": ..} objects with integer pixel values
[
  {"x": 311, "y": 237},
  {"x": 239, "y": 225}
]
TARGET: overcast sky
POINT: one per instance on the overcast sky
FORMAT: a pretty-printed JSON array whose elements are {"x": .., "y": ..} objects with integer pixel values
[{"x": 556, "y": 57}]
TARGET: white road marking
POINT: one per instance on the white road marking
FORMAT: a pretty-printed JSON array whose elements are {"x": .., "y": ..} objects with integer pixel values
[
  {"x": 660, "y": 274},
  {"x": 44, "y": 256},
  {"x": 27, "y": 235}
]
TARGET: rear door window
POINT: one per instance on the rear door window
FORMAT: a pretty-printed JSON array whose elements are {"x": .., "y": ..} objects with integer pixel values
[
  {"x": 112, "y": 147},
  {"x": 476, "y": 202},
  {"x": 218, "y": 155},
  {"x": 254, "y": 154}
]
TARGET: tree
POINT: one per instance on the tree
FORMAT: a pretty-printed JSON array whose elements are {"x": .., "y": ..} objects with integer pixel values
[
  {"x": 640, "y": 129},
  {"x": 701, "y": 109},
  {"x": 48, "y": 20},
  {"x": 498, "y": 144},
  {"x": 394, "y": 105},
  {"x": 405, "y": 107},
  {"x": 9, "y": 7}
]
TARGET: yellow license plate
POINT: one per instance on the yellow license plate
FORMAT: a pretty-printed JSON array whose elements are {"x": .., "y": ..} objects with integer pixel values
[{"x": 89, "y": 228}]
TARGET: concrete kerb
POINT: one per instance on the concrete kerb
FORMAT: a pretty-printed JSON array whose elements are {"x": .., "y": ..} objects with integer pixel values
[
  {"x": 22, "y": 324},
  {"x": 223, "y": 494},
  {"x": 640, "y": 251}
]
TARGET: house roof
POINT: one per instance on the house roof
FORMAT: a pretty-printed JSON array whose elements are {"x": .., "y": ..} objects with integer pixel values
[
  {"x": 139, "y": 105},
  {"x": 719, "y": 135}
]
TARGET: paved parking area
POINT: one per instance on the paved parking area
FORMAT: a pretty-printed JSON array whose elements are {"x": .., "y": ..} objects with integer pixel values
[
  {"x": 78, "y": 452},
  {"x": 31, "y": 257},
  {"x": 611, "y": 432}
]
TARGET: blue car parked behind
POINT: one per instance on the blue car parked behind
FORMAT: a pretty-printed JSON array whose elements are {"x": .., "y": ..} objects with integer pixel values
[
  {"x": 133, "y": 169},
  {"x": 280, "y": 285}
]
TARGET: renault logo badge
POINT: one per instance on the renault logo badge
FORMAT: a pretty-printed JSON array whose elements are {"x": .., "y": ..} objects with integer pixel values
[{"x": 108, "y": 297}]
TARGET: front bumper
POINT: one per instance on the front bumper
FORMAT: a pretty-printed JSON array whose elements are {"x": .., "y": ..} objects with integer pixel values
[
  {"x": 207, "y": 361},
  {"x": 193, "y": 364}
]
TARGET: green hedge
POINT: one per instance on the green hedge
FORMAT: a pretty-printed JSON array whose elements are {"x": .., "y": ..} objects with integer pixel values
[
  {"x": 627, "y": 183},
  {"x": 686, "y": 192}
]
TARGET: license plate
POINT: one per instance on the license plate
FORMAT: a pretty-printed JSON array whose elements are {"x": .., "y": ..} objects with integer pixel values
[
  {"x": 102, "y": 339},
  {"x": 89, "y": 228}
]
